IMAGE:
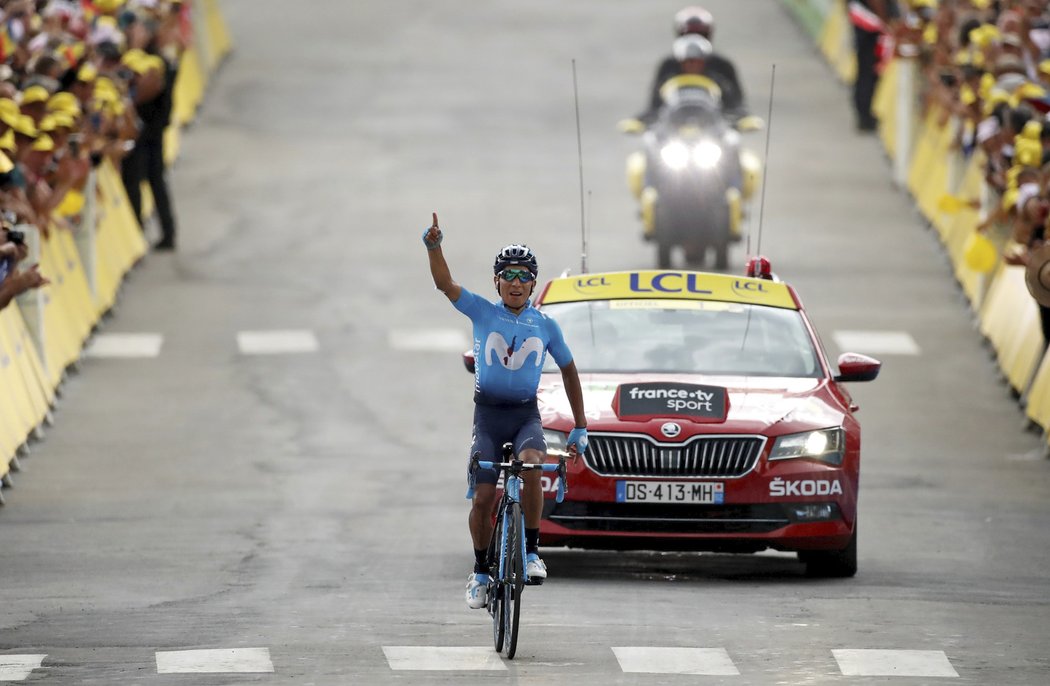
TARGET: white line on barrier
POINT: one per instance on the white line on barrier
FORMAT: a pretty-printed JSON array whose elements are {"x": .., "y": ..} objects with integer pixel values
[
  {"x": 216, "y": 661},
  {"x": 928, "y": 663},
  {"x": 277, "y": 342},
  {"x": 125, "y": 345},
  {"x": 877, "y": 342}
]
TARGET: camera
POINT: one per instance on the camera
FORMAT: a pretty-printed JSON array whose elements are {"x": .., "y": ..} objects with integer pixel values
[{"x": 16, "y": 237}]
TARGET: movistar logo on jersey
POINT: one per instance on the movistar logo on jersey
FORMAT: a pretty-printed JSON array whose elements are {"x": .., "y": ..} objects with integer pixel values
[{"x": 511, "y": 355}]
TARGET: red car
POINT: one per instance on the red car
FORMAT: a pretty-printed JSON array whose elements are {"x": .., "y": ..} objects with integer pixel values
[{"x": 715, "y": 420}]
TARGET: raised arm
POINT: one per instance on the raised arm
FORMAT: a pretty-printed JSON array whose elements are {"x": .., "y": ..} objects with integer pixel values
[{"x": 438, "y": 267}]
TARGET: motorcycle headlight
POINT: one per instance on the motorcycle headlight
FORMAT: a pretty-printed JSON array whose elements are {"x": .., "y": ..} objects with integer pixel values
[
  {"x": 826, "y": 445},
  {"x": 675, "y": 155},
  {"x": 556, "y": 442},
  {"x": 707, "y": 154}
]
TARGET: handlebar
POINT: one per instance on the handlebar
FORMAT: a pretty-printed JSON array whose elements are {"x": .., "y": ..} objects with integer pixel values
[{"x": 515, "y": 467}]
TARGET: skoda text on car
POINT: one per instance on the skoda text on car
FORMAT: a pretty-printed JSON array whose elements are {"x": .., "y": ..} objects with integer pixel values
[{"x": 715, "y": 420}]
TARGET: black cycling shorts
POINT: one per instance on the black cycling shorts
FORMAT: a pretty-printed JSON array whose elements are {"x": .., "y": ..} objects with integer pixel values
[{"x": 495, "y": 425}]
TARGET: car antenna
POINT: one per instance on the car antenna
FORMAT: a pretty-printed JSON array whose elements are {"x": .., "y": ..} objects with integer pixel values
[
  {"x": 579, "y": 153},
  {"x": 765, "y": 162},
  {"x": 762, "y": 202}
]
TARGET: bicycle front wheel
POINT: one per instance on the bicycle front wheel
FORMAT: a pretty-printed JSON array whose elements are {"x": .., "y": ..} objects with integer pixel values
[
  {"x": 515, "y": 577},
  {"x": 497, "y": 608}
]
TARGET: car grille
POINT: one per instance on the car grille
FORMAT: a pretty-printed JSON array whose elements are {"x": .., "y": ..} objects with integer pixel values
[
  {"x": 722, "y": 457},
  {"x": 678, "y": 519}
]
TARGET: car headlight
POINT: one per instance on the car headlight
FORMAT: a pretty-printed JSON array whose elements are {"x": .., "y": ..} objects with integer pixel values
[
  {"x": 707, "y": 154},
  {"x": 675, "y": 155},
  {"x": 826, "y": 445},
  {"x": 556, "y": 442}
]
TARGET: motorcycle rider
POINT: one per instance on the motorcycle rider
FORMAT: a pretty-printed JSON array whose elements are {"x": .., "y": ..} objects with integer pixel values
[{"x": 697, "y": 22}]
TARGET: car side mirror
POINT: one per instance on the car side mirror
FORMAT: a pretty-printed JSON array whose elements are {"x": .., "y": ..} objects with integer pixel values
[
  {"x": 468, "y": 361},
  {"x": 855, "y": 367}
]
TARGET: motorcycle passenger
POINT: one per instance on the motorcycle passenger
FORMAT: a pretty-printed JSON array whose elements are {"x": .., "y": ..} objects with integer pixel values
[
  {"x": 511, "y": 340},
  {"x": 697, "y": 21}
]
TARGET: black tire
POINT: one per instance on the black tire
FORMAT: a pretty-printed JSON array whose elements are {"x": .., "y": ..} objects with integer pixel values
[
  {"x": 496, "y": 606},
  {"x": 721, "y": 248},
  {"x": 515, "y": 581},
  {"x": 832, "y": 564},
  {"x": 663, "y": 253}
]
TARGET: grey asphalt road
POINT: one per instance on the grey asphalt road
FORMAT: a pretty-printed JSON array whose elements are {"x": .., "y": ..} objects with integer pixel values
[{"x": 311, "y": 504}]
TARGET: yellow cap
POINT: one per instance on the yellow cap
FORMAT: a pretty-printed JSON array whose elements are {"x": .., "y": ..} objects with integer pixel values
[
  {"x": 47, "y": 123},
  {"x": 6, "y": 164},
  {"x": 25, "y": 126},
  {"x": 87, "y": 73},
  {"x": 63, "y": 120},
  {"x": 967, "y": 96},
  {"x": 109, "y": 6},
  {"x": 44, "y": 143},
  {"x": 7, "y": 141},
  {"x": 35, "y": 94},
  {"x": 9, "y": 111},
  {"x": 61, "y": 101},
  {"x": 1010, "y": 198}
]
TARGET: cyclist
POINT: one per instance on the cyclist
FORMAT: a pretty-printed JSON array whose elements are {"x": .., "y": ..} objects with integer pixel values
[
  {"x": 511, "y": 340},
  {"x": 697, "y": 57}
]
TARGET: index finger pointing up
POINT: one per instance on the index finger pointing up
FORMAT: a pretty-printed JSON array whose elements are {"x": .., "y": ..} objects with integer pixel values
[{"x": 435, "y": 219}]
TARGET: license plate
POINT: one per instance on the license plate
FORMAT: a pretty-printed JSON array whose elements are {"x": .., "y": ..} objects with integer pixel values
[{"x": 691, "y": 492}]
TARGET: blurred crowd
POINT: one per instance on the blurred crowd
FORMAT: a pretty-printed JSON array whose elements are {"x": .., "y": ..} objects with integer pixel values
[
  {"x": 82, "y": 83},
  {"x": 985, "y": 64}
]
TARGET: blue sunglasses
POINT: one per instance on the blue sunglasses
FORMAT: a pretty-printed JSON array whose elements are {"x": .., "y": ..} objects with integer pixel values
[{"x": 522, "y": 275}]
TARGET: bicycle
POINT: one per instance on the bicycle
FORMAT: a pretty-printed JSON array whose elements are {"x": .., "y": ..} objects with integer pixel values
[{"x": 506, "y": 552}]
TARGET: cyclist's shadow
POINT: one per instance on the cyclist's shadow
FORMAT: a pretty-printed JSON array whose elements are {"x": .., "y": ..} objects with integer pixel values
[{"x": 684, "y": 567}]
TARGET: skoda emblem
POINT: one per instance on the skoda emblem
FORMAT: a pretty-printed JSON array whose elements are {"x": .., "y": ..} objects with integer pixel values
[{"x": 670, "y": 429}]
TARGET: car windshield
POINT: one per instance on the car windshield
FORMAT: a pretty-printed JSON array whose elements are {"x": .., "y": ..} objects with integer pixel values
[{"x": 685, "y": 336}]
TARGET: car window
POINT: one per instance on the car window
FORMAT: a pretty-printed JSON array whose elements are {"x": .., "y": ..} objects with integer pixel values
[{"x": 686, "y": 336}]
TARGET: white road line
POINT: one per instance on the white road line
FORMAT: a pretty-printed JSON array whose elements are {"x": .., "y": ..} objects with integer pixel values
[
  {"x": 877, "y": 342},
  {"x": 277, "y": 342},
  {"x": 444, "y": 659},
  {"x": 429, "y": 340},
  {"x": 928, "y": 663},
  {"x": 702, "y": 661},
  {"x": 125, "y": 345},
  {"x": 217, "y": 661},
  {"x": 18, "y": 667}
]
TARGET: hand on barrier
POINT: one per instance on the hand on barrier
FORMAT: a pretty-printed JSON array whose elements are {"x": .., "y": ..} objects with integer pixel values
[{"x": 432, "y": 235}]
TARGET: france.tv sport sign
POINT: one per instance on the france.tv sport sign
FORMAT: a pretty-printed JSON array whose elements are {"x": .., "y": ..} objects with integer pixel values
[{"x": 641, "y": 402}]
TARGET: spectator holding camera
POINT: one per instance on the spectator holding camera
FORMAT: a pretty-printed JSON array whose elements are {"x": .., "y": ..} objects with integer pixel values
[{"x": 14, "y": 282}]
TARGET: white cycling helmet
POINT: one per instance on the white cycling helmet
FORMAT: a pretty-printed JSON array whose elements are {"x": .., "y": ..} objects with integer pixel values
[{"x": 692, "y": 47}]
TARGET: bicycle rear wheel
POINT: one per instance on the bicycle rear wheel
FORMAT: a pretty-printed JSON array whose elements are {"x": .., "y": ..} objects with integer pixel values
[
  {"x": 515, "y": 578},
  {"x": 497, "y": 608}
]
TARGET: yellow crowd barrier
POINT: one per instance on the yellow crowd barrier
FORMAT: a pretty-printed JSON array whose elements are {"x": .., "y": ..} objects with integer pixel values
[{"x": 44, "y": 332}]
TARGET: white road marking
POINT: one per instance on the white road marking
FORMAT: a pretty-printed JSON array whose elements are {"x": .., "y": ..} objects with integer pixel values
[
  {"x": 18, "y": 667},
  {"x": 125, "y": 345},
  {"x": 445, "y": 659},
  {"x": 277, "y": 342},
  {"x": 216, "y": 661},
  {"x": 703, "y": 661},
  {"x": 928, "y": 663},
  {"x": 429, "y": 340},
  {"x": 877, "y": 342}
]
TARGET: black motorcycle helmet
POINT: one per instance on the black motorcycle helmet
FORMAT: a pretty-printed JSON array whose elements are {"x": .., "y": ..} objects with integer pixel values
[{"x": 694, "y": 20}]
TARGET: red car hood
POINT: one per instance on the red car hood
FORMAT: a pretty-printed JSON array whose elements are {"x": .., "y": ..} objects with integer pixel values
[{"x": 756, "y": 403}]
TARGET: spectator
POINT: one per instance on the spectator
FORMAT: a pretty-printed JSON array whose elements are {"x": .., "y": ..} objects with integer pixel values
[
  {"x": 871, "y": 20},
  {"x": 14, "y": 282}
]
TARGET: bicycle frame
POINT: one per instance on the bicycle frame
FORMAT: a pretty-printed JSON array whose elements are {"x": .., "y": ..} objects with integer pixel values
[{"x": 507, "y": 584}]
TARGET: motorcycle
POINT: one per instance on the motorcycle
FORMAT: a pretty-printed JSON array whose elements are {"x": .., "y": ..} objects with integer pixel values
[{"x": 692, "y": 178}]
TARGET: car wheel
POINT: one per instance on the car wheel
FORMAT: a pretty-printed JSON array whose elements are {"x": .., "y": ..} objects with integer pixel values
[{"x": 832, "y": 563}]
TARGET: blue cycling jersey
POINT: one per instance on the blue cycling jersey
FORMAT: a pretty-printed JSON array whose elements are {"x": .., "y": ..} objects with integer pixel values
[{"x": 509, "y": 350}]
